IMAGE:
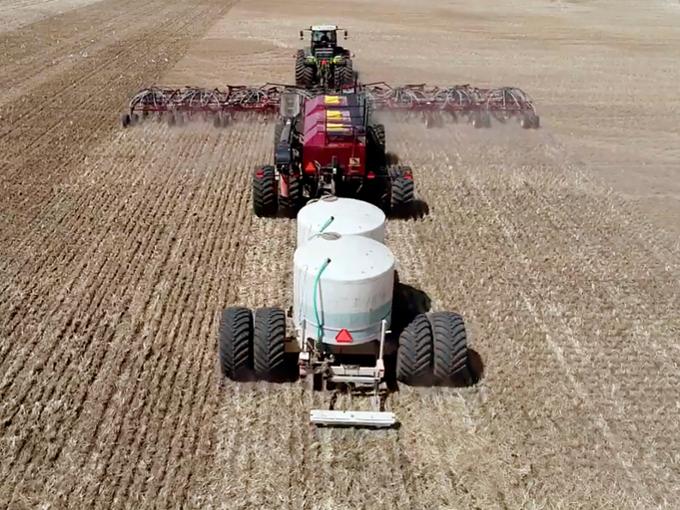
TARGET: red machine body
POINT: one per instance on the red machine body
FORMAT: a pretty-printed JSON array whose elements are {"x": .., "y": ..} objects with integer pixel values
[
  {"x": 334, "y": 134},
  {"x": 329, "y": 144}
]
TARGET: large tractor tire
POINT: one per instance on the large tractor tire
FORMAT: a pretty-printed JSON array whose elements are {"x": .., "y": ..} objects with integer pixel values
[
  {"x": 235, "y": 343},
  {"x": 293, "y": 201},
  {"x": 299, "y": 67},
  {"x": 379, "y": 133},
  {"x": 450, "y": 353},
  {"x": 343, "y": 75},
  {"x": 304, "y": 74},
  {"x": 265, "y": 202},
  {"x": 269, "y": 338},
  {"x": 415, "y": 353},
  {"x": 402, "y": 189}
]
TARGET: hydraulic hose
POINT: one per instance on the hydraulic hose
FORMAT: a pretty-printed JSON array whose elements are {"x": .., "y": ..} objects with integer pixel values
[
  {"x": 319, "y": 324},
  {"x": 325, "y": 225}
]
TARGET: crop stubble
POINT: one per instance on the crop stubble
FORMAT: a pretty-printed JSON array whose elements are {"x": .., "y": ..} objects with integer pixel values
[{"x": 120, "y": 248}]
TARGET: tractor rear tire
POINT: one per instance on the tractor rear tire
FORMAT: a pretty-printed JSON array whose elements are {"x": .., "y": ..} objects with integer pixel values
[
  {"x": 304, "y": 74},
  {"x": 344, "y": 75},
  {"x": 293, "y": 201},
  {"x": 269, "y": 338},
  {"x": 379, "y": 131},
  {"x": 264, "y": 192},
  {"x": 300, "y": 76},
  {"x": 236, "y": 343},
  {"x": 450, "y": 360},
  {"x": 415, "y": 353},
  {"x": 402, "y": 192}
]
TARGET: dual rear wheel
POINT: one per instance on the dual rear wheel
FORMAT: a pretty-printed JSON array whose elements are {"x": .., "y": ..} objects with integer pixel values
[
  {"x": 253, "y": 343},
  {"x": 433, "y": 350}
]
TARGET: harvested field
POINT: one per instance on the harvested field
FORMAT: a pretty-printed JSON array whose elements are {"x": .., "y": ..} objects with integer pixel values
[{"x": 118, "y": 248}]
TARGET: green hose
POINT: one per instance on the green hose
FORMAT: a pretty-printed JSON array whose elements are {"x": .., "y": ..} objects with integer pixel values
[
  {"x": 325, "y": 225},
  {"x": 319, "y": 325}
]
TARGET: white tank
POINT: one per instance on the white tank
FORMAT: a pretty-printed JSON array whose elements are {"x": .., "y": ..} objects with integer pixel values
[
  {"x": 354, "y": 289},
  {"x": 346, "y": 216}
]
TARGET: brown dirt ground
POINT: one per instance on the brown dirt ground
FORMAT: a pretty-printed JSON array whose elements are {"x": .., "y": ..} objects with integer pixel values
[{"x": 119, "y": 248}]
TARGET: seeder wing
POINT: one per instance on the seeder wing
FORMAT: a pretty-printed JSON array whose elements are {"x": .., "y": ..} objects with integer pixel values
[{"x": 432, "y": 103}]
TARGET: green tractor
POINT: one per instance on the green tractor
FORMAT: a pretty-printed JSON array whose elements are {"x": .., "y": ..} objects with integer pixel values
[{"x": 324, "y": 64}]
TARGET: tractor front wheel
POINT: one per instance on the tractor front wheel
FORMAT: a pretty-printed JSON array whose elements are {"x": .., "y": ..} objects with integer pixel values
[
  {"x": 264, "y": 192},
  {"x": 402, "y": 189},
  {"x": 235, "y": 343},
  {"x": 269, "y": 344}
]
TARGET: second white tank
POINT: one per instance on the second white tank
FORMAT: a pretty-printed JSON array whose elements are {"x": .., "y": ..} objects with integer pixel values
[
  {"x": 346, "y": 216},
  {"x": 342, "y": 283}
]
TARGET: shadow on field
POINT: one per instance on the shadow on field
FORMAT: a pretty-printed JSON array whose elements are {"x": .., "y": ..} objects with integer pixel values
[{"x": 416, "y": 210}]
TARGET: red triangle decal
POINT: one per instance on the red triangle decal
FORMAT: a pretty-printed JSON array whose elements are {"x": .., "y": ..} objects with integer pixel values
[{"x": 343, "y": 337}]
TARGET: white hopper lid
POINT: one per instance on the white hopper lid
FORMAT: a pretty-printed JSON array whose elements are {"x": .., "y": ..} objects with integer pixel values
[
  {"x": 350, "y": 217},
  {"x": 353, "y": 258}
]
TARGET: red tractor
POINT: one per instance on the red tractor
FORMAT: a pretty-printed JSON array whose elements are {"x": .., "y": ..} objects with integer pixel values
[{"x": 329, "y": 144}]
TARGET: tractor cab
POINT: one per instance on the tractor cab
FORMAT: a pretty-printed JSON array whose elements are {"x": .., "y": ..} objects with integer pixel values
[{"x": 323, "y": 39}]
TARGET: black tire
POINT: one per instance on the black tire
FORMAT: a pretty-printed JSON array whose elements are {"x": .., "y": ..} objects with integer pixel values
[
  {"x": 414, "y": 357},
  {"x": 344, "y": 75},
  {"x": 300, "y": 68},
  {"x": 269, "y": 338},
  {"x": 125, "y": 120},
  {"x": 402, "y": 189},
  {"x": 264, "y": 192},
  {"x": 293, "y": 201},
  {"x": 235, "y": 343},
  {"x": 450, "y": 360},
  {"x": 379, "y": 132},
  {"x": 304, "y": 74}
]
